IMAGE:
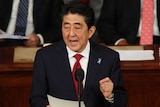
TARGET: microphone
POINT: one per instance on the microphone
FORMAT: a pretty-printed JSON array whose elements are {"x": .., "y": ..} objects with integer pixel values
[{"x": 79, "y": 76}]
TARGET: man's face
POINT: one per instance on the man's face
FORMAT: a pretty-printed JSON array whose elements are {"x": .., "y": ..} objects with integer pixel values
[{"x": 75, "y": 32}]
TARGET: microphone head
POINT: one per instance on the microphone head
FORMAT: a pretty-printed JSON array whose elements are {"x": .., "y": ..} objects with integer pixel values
[{"x": 79, "y": 74}]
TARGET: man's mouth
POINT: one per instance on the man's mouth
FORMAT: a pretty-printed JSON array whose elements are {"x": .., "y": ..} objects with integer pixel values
[{"x": 73, "y": 42}]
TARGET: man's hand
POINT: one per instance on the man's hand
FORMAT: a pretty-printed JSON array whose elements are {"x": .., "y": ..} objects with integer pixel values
[
  {"x": 106, "y": 87},
  {"x": 33, "y": 40},
  {"x": 123, "y": 43},
  {"x": 1, "y": 32},
  {"x": 48, "y": 106},
  {"x": 2, "y": 40}
]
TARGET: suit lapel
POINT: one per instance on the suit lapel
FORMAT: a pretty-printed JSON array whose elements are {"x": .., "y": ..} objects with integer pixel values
[
  {"x": 136, "y": 8},
  {"x": 92, "y": 70},
  {"x": 7, "y": 12},
  {"x": 158, "y": 12},
  {"x": 63, "y": 66},
  {"x": 65, "y": 62},
  {"x": 37, "y": 7}
]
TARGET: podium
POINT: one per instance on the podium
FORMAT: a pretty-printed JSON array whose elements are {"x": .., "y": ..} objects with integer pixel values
[{"x": 141, "y": 80}]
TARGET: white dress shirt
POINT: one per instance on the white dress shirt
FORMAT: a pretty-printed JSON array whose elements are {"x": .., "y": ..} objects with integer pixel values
[
  {"x": 84, "y": 60},
  {"x": 30, "y": 24}
]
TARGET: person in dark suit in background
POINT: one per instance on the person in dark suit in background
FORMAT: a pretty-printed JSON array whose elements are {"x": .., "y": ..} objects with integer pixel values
[
  {"x": 120, "y": 22},
  {"x": 43, "y": 24},
  {"x": 102, "y": 84}
]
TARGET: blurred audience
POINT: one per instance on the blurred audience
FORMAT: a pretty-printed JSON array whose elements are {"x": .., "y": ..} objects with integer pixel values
[
  {"x": 120, "y": 22},
  {"x": 42, "y": 26}
]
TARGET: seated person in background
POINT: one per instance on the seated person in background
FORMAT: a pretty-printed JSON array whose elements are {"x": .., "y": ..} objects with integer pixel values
[
  {"x": 41, "y": 24},
  {"x": 120, "y": 22},
  {"x": 52, "y": 74}
]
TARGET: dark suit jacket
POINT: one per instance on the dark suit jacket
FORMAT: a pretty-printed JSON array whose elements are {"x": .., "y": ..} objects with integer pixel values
[
  {"x": 120, "y": 19},
  {"x": 45, "y": 17},
  {"x": 52, "y": 75}
]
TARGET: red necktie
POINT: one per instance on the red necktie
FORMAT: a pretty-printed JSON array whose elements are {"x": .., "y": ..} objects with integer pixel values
[
  {"x": 75, "y": 67},
  {"x": 147, "y": 22}
]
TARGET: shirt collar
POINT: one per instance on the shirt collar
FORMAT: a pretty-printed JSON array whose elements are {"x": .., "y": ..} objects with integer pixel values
[{"x": 85, "y": 52}]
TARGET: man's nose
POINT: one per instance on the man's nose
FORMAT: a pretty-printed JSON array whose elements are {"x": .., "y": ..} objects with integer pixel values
[{"x": 72, "y": 32}]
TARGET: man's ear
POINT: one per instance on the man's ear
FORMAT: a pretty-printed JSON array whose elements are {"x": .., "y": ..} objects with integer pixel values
[{"x": 92, "y": 31}]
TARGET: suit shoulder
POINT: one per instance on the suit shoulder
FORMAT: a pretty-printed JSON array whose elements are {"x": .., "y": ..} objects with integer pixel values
[
  {"x": 53, "y": 48},
  {"x": 105, "y": 49}
]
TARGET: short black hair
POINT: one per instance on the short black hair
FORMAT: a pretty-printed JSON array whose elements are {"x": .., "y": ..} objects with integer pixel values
[{"x": 77, "y": 7}]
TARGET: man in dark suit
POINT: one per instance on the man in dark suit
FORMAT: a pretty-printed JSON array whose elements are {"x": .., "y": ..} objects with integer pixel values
[
  {"x": 120, "y": 22},
  {"x": 43, "y": 25},
  {"x": 103, "y": 86}
]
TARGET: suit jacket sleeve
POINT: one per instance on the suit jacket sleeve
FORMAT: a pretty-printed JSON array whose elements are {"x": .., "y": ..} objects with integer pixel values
[
  {"x": 120, "y": 94},
  {"x": 115, "y": 74},
  {"x": 38, "y": 94}
]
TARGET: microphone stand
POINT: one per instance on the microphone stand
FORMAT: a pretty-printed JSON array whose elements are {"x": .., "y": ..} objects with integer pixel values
[
  {"x": 79, "y": 92},
  {"x": 79, "y": 76}
]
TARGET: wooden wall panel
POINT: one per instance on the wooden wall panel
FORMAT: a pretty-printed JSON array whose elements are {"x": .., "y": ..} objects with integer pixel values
[
  {"x": 14, "y": 97},
  {"x": 15, "y": 90},
  {"x": 143, "y": 88}
]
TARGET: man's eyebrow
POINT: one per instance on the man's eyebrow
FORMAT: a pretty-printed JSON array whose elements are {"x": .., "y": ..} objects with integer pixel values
[
  {"x": 66, "y": 23},
  {"x": 77, "y": 23}
]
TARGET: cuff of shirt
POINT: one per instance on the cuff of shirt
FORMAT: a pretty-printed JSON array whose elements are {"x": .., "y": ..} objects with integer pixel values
[
  {"x": 119, "y": 41},
  {"x": 110, "y": 100},
  {"x": 41, "y": 39}
]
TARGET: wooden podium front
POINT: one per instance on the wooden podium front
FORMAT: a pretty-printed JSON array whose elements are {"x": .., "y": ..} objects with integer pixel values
[
  {"x": 15, "y": 80},
  {"x": 141, "y": 80}
]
